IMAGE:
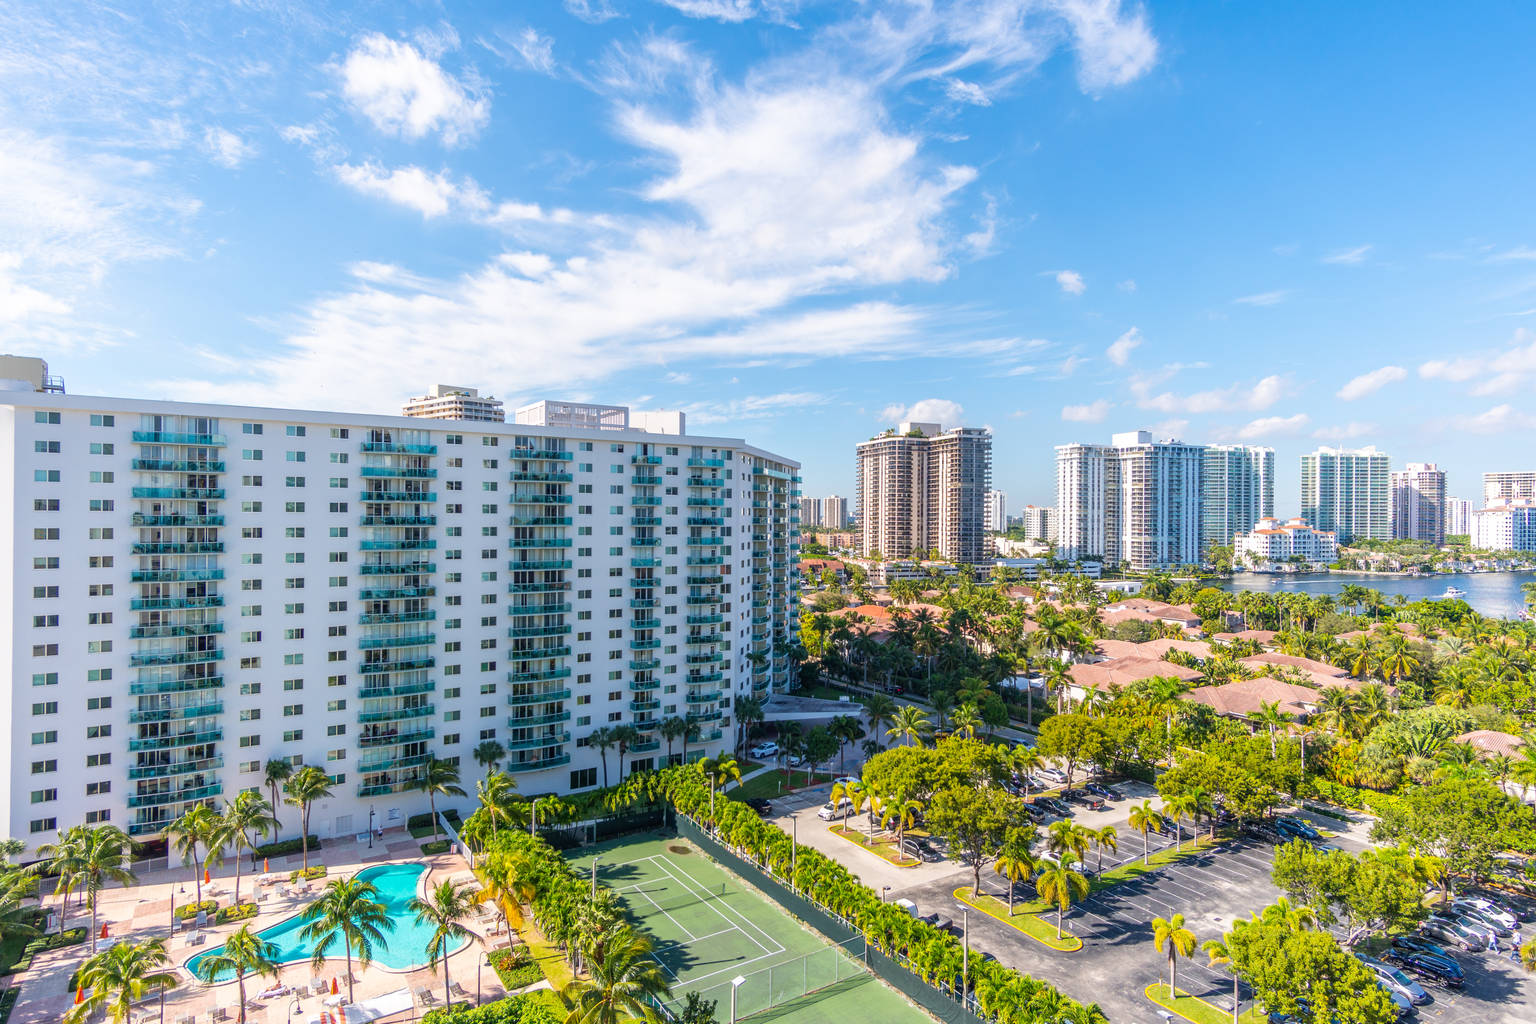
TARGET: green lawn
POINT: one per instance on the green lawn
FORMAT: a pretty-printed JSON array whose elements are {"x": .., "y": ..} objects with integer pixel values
[
  {"x": 885, "y": 848},
  {"x": 773, "y": 784},
  {"x": 1192, "y": 1008},
  {"x": 1023, "y": 919}
]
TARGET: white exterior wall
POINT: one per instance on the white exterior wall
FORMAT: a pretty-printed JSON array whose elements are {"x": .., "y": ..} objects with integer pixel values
[
  {"x": 71, "y": 730},
  {"x": 996, "y": 512},
  {"x": 1505, "y": 526},
  {"x": 1081, "y": 493}
]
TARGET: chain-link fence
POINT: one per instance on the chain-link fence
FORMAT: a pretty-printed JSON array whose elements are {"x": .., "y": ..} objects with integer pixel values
[{"x": 782, "y": 983}]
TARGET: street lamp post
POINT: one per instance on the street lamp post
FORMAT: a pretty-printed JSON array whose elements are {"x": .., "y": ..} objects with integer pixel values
[
  {"x": 295, "y": 1005},
  {"x": 370, "y": 826},
  {"x": 885, "y": 891},
  {"x": 736, "y": 983},
  {"x": 965, "y": 956}
]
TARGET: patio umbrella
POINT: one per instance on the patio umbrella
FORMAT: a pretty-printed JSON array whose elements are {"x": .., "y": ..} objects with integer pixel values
[
  {"x": 264, "y": 867},
  {"x": 334, "y": 987},
  {"x": 103, "y": 929},
  {"x": 79, "y": 995},
  {"x": 207, "y": 876}
]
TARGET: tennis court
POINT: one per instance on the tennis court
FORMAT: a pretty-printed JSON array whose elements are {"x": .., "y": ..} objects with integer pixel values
[{"x": 710, "y": 928}]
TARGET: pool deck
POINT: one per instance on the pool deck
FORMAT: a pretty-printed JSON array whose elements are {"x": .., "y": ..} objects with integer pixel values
[{"x": 144, "y": 911}]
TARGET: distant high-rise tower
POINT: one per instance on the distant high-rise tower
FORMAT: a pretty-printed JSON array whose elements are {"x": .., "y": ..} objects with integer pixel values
[
  {"x": 1237, "y": 489},
  {"x": 1519, "y": 486},
  {"x": 1418, "y": 503},
  {"x": 1458, "y": 517},
  {"x": 1038, "y": 522},
  {"x": 833, "y": 512},
  {"x": 450, "y": 402},
  {"x": 996, "y": 511},
  {"x": 923, "y": 488},
  {"x": 1134, "y": 500},
  {"x": 1348, "y": 491}
]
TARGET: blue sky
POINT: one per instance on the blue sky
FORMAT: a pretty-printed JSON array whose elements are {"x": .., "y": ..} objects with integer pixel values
[{"x": 1292, "y": 224}]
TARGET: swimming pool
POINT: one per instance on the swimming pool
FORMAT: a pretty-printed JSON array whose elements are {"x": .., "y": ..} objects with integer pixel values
[{"x": 404, "y": 948}]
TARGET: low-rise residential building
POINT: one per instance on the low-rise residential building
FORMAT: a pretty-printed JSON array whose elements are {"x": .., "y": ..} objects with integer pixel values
[
  {"x": 452, "y": 402},
  {"x": 1274, "y": 545}
]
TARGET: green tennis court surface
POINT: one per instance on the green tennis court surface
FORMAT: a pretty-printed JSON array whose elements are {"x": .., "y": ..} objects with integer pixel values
[{"x": 710, "y": 928}]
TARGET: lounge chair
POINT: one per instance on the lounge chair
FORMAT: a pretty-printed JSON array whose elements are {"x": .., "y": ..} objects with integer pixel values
[
  {"x": 187, "y": 1018},
  {"x": 318, "y": 987},
  {"x": 458, "y": 990},
  {"x": 427, "y": 998},
  {"x": 218, "y": 1013}
]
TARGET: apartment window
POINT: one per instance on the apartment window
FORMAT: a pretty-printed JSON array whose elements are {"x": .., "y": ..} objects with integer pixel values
[
  {"x": 98, "y": 760},
  {"x": 295, "y": 431},
  {"x": 47, "y": 476},
  {"x": 97, "y": 817},
  {"x": 45, "y": 417},
  {"x": 97, "y": 788},
  {"x": 44, "y": 796},
  {"x": 45, "y": 679},
  {"x": 44, "y": 825},
  {"x": 47, "y": 447},
  {"x": 48, "y": 562},
  {"x": 45, "y": 504},
  {"x": 97, "y": 732},
  {"x": 293, "y": 735},
  {"x": 44, "y": 767},
  {"x": 251, "y": 741},
  {"x": 49, "y": 707},
  {"x": 98, "y": 703},
  {"x": 251, "y": 454},
  {"x": 45, "y": 736},
  {"x": 251, "y": 428},
  {"x": 341, "y": 432}
]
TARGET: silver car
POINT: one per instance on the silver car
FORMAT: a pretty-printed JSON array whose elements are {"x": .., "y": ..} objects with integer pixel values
[{"x": 1396, "y": 981}]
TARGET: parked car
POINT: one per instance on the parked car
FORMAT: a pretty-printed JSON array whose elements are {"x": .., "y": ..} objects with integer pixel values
[
  {"x": 1039, "y": 815},
  {"x": 1522, "y": 909},
  {"x": 1436, "y": 970},
  {"x": 1054, "y": 806},
  {"x": 1298, "y": 829},
  {"x": 922, "y": 851},
  {"x": 1081, "y": 796},
  {"x": 1449, "y": 930},
  {"x": 1053, "y": 776},
  {"x": 1486, "y": 908},
  {"x": 1485, "y": 920},
  {"x": 845, "y": 780},
  {"x": 1107, "y": 792},
  {"x": 1419, "y": 944},
  {"x": 831, "y": 812},
  {"x": 764, "y": 749},
  {"x": 1261, "y": 829},
  {"x": 939, "y": 921},
  {"x": 1396, "y": 981},
  {"x": 761, "y": 804}
]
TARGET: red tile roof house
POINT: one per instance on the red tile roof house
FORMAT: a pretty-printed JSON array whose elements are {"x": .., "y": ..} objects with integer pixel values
[
  {"x": 1121, "y": 672},
  {"x": 1138, "y": 609},
  {"x": 1241, "y": 698},
  {"x": 1491, "y": 742}
]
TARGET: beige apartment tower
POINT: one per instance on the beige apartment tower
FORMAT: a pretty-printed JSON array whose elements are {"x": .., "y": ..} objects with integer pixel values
[
  {"x": 923, "y": 488},
  {"x": 451, "y": 402},
  {"x": 1418, "y": 503}
]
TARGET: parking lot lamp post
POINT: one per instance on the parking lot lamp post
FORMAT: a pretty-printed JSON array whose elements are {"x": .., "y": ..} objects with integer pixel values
[
  {"x": 965, "y": 955},
  {"x": 794, "y": 847},
  {"x": 736, "y": 983},
  {"x": 885, "y": 893}
]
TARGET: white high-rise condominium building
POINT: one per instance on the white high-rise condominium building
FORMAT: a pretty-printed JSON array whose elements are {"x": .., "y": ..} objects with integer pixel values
[
  {"x": 1272, "y": 542},
  {"x": 1458, "y": 512},
  {"x": 833, "y": 512},
  {"x": 996, "y": 514},
  {"x": 1505, "y": 525},
  {"x": 1237, "y": 489},
  {"x": 196, "y": 589},
  {"x": 451, "y": 402},
  {"x": 1520, "y": 486},
  {"x": 1347, "y": 491},
  {"x": 1418, "y": 503},
  {"x": 923, "y": 488},
  {"x": 1038, "y": 522},
  {"x": 1134, "y": 500}
]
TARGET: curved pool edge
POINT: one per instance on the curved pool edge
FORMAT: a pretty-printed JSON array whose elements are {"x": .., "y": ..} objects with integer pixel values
[{"x": 421, "y": 890}]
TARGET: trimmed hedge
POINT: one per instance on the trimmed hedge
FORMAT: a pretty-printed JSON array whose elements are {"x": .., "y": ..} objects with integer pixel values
[
  {"x": 315, "y": 871},
  {"x": 190, "y": 910},
  {"x": 529, "y": 1009},
  {"x": 515, "y": 968},
  {"x": 416, "y": 821},
  {"x": 8, "y": 1002},
  {"x": 236, "y": 913},
  {"x": 283, "y": 848},
  {"x": 441, "y": 846},
  {"x": 42, "y": 944}
]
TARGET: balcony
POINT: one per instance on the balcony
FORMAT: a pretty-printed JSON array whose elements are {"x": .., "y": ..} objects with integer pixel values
[
  {"x": 706, "y": 463},
  {"x": 645, "y": 460},
  {"x": 186, "y": 739},
  {"x": 540, "y": 499},
  {"x": 548, "y": 739},
  {"x": 644, "y": 563},
  {"x": 189, "y": 493},
  {"x": 537, "y": 653},
  {"x": 644, "y": 583},
  {"x": 540, "y": 478},
  {"x": 394, "y": 737},
  {"x": 398, "y": 472},
  {"x": 524, "y": 699},
  {"x": 707, "y": 715},
  {"x": 537, "y": 543},
  {"x": 645, "y": 481},
  {"x": 142, "y": 519},
  {"x": 397, "y": 520},
  {"x": 179, "y": 629},
  {"x": 397, "y": 690},
  {"x": 206, "y": 547},
  {"x": 644, "y": 645},
  {"x": 542, "y": 764},
  {"x": 644, "y": 520},
  {"x": 177, "y": 466},
  {"x": 540, "y": 521},
  {"x": 392, "y": 762},
  {"x": 643, "y": 602},
  {"x": 532, "y": 721},
  {"x": 646, "y": 665},
  {"x": 142, "y": 658},
  {"x": 537, "y": 609},
  {"x": 386, "y": 618},
  {"x": 703, "y": 638},
  {"x": 644, "y": 542},
  {"x": 646, "y": 502},
  {"x": 696, "y": 600},
  {"x": 175, "y": 685},
  {"x": 523, "y": 632},
  {"x": 539, "y": 676},
  {"x": 708, "y": 697},
  {"x": 540, "y": 565},
  {"x": 705, "y": 481},
  {"x": 398, "y": 544},
  {"x": 706, "y": 559},
  {"x": 704, "y": 542},
  {"x": 397, "y": 448},
  {"x": 373, "y": 643},
  {"x": 174, "y": 796},
  {"x": 161, "y": 771},
  {"x": 425, "y": 497},
  {"x": 373, "y": 668},
  {"x": 547, "y": 454},
  {"x": 394, "y": 593},
  {"x": 706, "y": 581},
  {"x": 385, "y": 788},
  {"x": 543, "y": 587},
  {"x": 176, "y": 714},
  {"x": 397, "y": 714},
  {"x": 706, "y": 521},
  {"x": 169, "y": 437},
  {"x": 703, "y": 659},
  {"x": 704, "y": 620},
  {"x": 397, "y": 568},
  {"x": 644, "y": 623},
  {"x": 704, "y": 677},
  {"x": 645, "y": 705}
]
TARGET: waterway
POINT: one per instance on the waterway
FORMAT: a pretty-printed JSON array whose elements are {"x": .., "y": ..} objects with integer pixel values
[{"x": 1495, "y": 594}]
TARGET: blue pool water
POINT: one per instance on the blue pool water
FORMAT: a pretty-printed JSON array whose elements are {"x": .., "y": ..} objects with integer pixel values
[{"x": 404, "y": 949}]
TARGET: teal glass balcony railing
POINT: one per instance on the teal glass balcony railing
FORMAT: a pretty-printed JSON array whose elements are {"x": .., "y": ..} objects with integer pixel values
[
  {"x": 399, "y": 448},
  {"x": 644, "y": 583},
  {"x": 399, "y": 544},
  {"x": 644, "y": 685},
  {"x": 177, "y": 466},
  {"x": 206, "y": 547},
  {"x": 397, "y": 520},
  {"x": 540, "y": 565},
  {"x": 397, "y": 714},
  {"x": 645, "y": 705},
  {"x": 643, "y": 602},
  {"x": 645, "y": 664},
  {"x": 162, "y": 771},
  {"x": 398, "y": 472},
  {"x": 704, "y": 542},
  {"x": 702, "y": 638},
  {"x": 706, "y": 463},
  {"x": 704, "y": 620},
  {"x": 695, "y": 501},
  {"x": 185, "y": 739},
  {"x": 538, "y": 543},
  {"x": 543, "y": 608},
  {"x": 644, "y": 520},
  {"x": 644, "y": 502},
  {"x": 424, "y": 497},
  {"x": 372, "y": 643},
  {"x": 696, "y": 600},
  {"x": 385, "y": 788},
  {"x": 523, "y": 698},
  {"x": 645, "y": 460},
  {"x": 706, "y": 520},
  {"x": 644, "y": 623},
  {"x": 394, "y": 593},
  {"x": 645, "y": 481},
  {"x": 547, "y": 454},
  {"x": 397, "y": 568},
  {"x": 540, "y": 520},
  {"x": 547, "y": 739},
  {"x": 176, "y": 714},
  {"x": 644, "y": 563},
  {"x": 705, "y": 481},
  {"x": 144, "y": 519},
  {"x": 704, "y": 677},
  {"x": 374, "y": 668},
  {"x": 645, "y": 645},
  {"x": 141, "y": 658},
  {"x": 174, "y": 796},
  {"x": 706, "y": 715},
  {"x": 386, "y": 737},
  {"x": 703, "y": 659},
  {"x": 169, "y": 437},
  {"x": 534, "y": 721},
  {"x": 519, "y": 476},
  {"x": 386, "y": 618},
  {"x": 397, "y": 689},
  {"x": 645, "y": 746},
  {"x": 540, "y": 499},
  {"x": 174, "y": 630},
  {"x": 709, "y": 580},
  {"x": 644, "y": 542},
  {"x": 392, "y": 762},
  {"x": 541, "y": 587},
  {"x": 523, "y": 632},
  {"x": 189, "y": 493},
  {"x": 707, "y": 697},
  {"x": 536, "y": 765},
  {"x": 706, "y": 559},
  {"x": 175, "y": 685}
]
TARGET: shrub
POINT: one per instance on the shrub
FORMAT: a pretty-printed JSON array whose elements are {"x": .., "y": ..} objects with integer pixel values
[
  {"x": 315, "y": 871},
  {"x": 42, "y": 944},
  {"x": 283, "y": 848},
  {"x": 529, "y": 1009},
  {"x": 515, "y": 968},
  {"x": 7, "y": 1001},
  {"x": 236, "y": 913},
  {"x": 424, "y": 820},
  {"x": 190, "y": 910},
  {"x": 441, "y": 846}
]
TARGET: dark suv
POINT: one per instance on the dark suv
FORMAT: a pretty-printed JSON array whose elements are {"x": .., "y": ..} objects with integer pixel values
[
  {"x": 1107, "y": 792},
  {"x": 1054, "y": 806},
  {"x": 1436, "y": 970},
  {"x": 1081, "y": 796}
]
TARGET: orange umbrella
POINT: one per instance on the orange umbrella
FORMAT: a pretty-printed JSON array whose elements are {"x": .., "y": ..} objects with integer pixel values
[
  {"x": 207, "y": 877},
  {"x": 103, "y": 929},
  {"x": 334, "y": 987},
  {"x": 79, "y": 995},
  {"x": 264, "y": 866}
]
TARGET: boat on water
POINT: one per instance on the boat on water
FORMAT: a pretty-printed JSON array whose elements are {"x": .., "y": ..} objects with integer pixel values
[{"x": 1452, "y": 592}]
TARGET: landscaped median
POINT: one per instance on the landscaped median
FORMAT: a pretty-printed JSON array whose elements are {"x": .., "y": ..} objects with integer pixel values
[
  {"x": 1023, "y": 919},
  {"x": 885, "y": 849},
  {"x": 1193, "y": 1008}
]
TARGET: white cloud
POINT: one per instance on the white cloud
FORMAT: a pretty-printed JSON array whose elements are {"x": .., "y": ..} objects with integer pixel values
[
  {"x": 1348, "y": 256},
  {"x": 719, "y": 10},
  {"x": 406, "y": 93},
  {"x": 1114, "y": 46},
  {"x": 928, "y": 410},
  {"x": 431, "y": 195},
  {"x": 1273, "y": 426},
  {"x": 1093, "y": 412},
  {"x": 1070, "y": 364},
  {"x": 20, "y": 301},
  {"x": 1128, "y": 285},
  {"x": 1262, "y": 298},
  {"x": 1261, "y": 395},
  {"x": 1071, "y": 281},
  {"x": 1345, "y": 432},
  {"x": 1519, "y": 252},
  {"x": 534, "y": 51},
  {"x": 1496, "y": 373},
  {"x": 1119, "y": 352},
  {"x": 1370, "y": 383},
  {"x": 225, "y": 148},
  {"x": 1169, "y": 428},
  {"x": 753, "y": 407},
  {"x": 967, "y": 92},
  {"x": 593, "y": 12},
  {"x": 1498, "y": 420},
  {"x": 1458, "y": 369}
]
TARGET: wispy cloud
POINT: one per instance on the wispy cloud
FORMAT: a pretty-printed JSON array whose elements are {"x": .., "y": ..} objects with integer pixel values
[
  {"x": 1498, "y": 420},
  {"x": 1273, "y": 426},
  {"x": 1348, "y": 256},
  {"x": 1370, "y": 383},
  {"x": 1092, "y": 412},
  {"x": 406, "y": 93},
  {"x": 928, "y": 410},
  {"x": 1494, "y": 373},
  {"x": 1260, "y": 395},
  {"x": 1345, "y": 431},
  {"x": 1119, "y": 351},
  {"x": 526, "y": 47},
  {"x": 225, "y": 148},
  {"x": 1273, "y": 298},
  {"x": 1070, "y": 281},
  {"x": 1519, "y": 252}
]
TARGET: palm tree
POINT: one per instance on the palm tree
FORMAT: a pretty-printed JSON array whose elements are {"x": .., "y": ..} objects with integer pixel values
[
  {"x": 623, "y": 983},
  {"x": 966, "y": 719},
  {"x": 624, "y": 737},
  {"x": 854, "y": 792},
  {"x": 439, "y": 777},
  {"x": 903, "y": 809},
  {"x": 307, "y": 785},
  {"x": 243, "y": 953},
  {"x": 347, "y": 909},
  {"x": 845, "y": 729},
  {"x": 1175, "y": 807},
  {"x": 118, "y": 977},
  {"x": 1025, "y": 761},
  {"x": 1105, "y": 838},
  {"x": 15, "y": 917},
  {"x": 1269, "y": 716},
  {"x": 1170, "y": 934},
  {"x": 1295, "y": 917},
  {"x": 1066, "y": 838},
  {"x": 1014, "y": 861},
  {"x": 601, "y": 740},
  {"x": 103, "y": 859},
  {"x": 879, "y": 711},
  {"x": 247, "y": 813},
  {"x": 1144, "y": 820},
  {"x": 445, "y": 906},
  {"x": 278, "y": 771},
  {"x": 749, "y": 712},
  {"x": 497, "y": 794},
  {"x": 63, "y": 859},
  {"x": 671, "y": 730},
  {"x": 717, "y": 772},
  {"x": 909, "y": 724},
  {"x": 1219, "y": 956},
  {"x": 1059, "y": 884},
  {"x": 489, "y": 754}
]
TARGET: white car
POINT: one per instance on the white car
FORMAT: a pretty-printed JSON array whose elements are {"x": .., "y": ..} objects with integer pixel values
[
  {"x": 795, "y": 761},
  {"x": 1055, "y": 775},
  {"x": 844, "y": 780},
  {"x": 831, "y": 812},
  {"x": 764, "y": 750},
  {"x": 1488, "y": 909}
]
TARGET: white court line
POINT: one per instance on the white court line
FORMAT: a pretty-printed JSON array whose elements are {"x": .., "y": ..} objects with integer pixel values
[
  {"x": 701, "y": 938},
  {"x": 669, "y": 917},
  {"x": 701, "y": 888}
]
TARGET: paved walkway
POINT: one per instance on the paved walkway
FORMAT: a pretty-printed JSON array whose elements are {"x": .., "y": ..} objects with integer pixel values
[{"x": 144, "y": 911}]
